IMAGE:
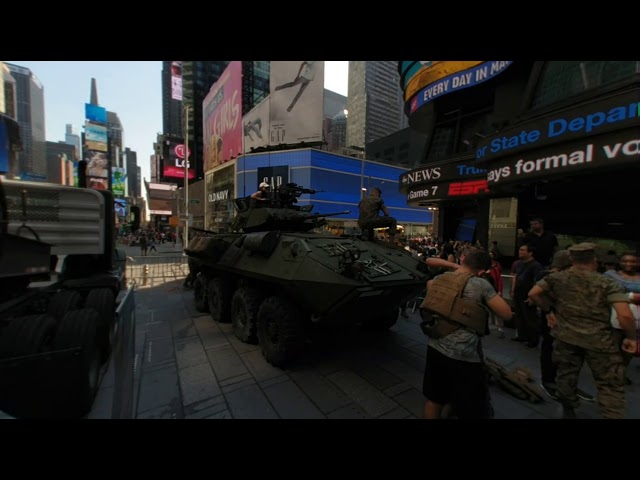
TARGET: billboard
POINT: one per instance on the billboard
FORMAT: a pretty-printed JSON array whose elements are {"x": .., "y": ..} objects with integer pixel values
[
  {"x": 95, "y": 137},
  {"x": 94, "y": 113},
  {"x": 274, "y": 176},
  {"x": 222, "y": 118},
  {"x": 296, "y": 107},
  {"x": 118, "y": 181},
  {"x": 4, "y": 148},
  {"x": 173, "y": 158},
  {"x": 458, "y": 81},
  {"x": 176, "y": 80},
  {"x": 432, "y": 71},
  {"x": 120, "y": 207},
  {"x": 255, "y": 126},
  {"x": 97, "y": 164}
]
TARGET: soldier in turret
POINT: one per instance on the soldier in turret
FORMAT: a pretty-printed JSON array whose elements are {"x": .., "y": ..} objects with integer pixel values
[{"x": 261, "y": 197}]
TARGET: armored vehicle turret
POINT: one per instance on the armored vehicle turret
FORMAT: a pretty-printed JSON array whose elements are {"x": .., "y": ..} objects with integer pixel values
[{"x": 273, "y": 278}]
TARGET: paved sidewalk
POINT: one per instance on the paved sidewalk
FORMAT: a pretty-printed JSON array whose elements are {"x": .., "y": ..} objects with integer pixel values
[{"x": 189, "y": 366}]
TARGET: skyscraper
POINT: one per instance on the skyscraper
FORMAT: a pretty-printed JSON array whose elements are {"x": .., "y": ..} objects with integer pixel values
[
  {"x": 115, "y": 134},
  {"x": 30, "y": 116},
  {"x": 172, "y": 120},
  {"x": 72, "y": 137},
  {"x": 374, "y": 102},
  {"x": 133, "y": 181}
]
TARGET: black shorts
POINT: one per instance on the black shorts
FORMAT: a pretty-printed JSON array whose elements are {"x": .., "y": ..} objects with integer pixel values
[{"x": 463, "y": 385}]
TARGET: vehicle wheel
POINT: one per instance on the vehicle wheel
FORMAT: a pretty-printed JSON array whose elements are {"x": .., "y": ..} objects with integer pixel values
[
  {"x": 200, "y": 293},
  {"x": 280, "y": 330},
  {"x": 63, "y": 302},
  {"x": 219, "y": 298},
  {"x": 80, "y": 328},
  {"x": 27, "y": 336},
  {"x": 383, "y": 322},
  {"x": 244, "y": 311},
  {"x": 103, "y": 301}
]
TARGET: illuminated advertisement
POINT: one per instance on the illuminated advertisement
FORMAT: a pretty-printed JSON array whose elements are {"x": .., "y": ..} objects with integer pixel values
[
  {"x": 409, "y": 69},
  {"x": 4, "y": 148},
  {"x": 176, "y": 80},
  {"x": 120, "y": 206},
  {"x": 94, "y": 113},
  {"x": 457, "y": 81},
  {"x": 173, "y": 158},
  {"x": 222, "y": 118},
  {"x": 255, "y": 126},
  {"x": 118, "y": 181},
  {"x": 98, "y": 183},
  {"x": 431, "y": 72},
  {"x": 297, "y": 97},
  {"x": 95, "y": 137},
  {"x": 97, "y": 164}
]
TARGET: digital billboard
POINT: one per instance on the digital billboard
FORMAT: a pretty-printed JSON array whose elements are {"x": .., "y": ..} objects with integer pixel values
[
  {"x": 95, "y": 137},
  {"x": 118, "y": 181},
  {"x": 173, "y": 158},
  {"x": 255, "y": 126},
  {"x": 297, "y": 97},
  {"x": 4, "y": 148},
  {"x": 94, "y": 113},
  {"x": 429, "y": 72},
  {"x": 458, "y": 81},
  {"x": 222, "y": 118},
  {"x": 97, "y": 164},
  {"x": 176, "y": 80}
]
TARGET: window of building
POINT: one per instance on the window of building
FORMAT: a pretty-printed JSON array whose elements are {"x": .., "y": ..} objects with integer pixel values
[
  {"x": 560, "y": 80},
  {"x": 458, "y": 132}
]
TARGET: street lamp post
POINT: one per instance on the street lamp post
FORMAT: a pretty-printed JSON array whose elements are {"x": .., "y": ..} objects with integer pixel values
[{"x": 185, "y": 242}]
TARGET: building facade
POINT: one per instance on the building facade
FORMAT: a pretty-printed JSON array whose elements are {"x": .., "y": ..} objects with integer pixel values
[
  {"x": 72, "y": 137},
  {"x": 405, "y": 148},
  {"x": 61, "y": 158},
  {"x": 341, "y": 182},
  {"x": 172, "y": 119},
  {"x": 510, "y": 141},
  {"x": 29, "y": 94},
  {"x": 374, "y": 102},
  {"x": 133, "y": 180}
]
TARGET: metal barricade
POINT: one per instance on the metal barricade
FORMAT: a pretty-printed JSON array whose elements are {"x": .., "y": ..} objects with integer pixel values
[{"x": 146, "y": 271}]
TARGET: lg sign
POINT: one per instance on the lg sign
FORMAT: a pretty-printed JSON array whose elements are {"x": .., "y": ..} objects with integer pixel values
[{"x": 180, "y": 151}]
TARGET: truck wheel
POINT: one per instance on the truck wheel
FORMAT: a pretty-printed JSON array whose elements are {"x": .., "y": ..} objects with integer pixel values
[
  {"x": 79, "y": 328},
  {"x": 219, "y": 298},
  {"x": 103, "y": 302},
  {"x": 280, "y": 331},
  {"x": 200, "y": 293},
  {"x": 63, "y": 302},
  {"x": 27, "y": 336},
  {"x": 244, "y": 311}
]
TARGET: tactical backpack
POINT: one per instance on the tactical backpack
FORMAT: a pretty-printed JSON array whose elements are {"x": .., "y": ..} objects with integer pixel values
[{"x": 444, "y": 299}]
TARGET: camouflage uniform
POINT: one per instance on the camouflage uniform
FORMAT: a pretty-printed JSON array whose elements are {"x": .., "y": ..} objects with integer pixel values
[
  {"x": 584, "y": 332},
  {"x": 369, "y": 217}
]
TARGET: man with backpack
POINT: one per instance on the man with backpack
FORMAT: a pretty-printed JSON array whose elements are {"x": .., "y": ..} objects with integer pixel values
[{"x": 455, "y": 372}]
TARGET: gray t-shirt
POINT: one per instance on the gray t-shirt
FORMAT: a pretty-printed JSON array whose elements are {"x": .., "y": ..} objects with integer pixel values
[{"x": 463, "y": 343}]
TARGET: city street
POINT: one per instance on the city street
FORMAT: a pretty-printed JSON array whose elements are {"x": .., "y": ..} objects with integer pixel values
[{"x": 188, "y": 366}]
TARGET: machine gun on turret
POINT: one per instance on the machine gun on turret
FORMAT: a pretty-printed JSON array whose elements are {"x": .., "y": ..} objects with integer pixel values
[{"x": 280, "y": 213}]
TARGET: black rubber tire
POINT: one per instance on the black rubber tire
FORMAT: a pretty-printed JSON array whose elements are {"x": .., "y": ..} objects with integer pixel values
[
  {"x": 200, "y": 293},
  {"x": 63, "y": 302},
  {"x": 219, "y": 292},
  {"x": 27, "y": 336},
  {"x": 103, "y": 301},
  {"x": 280, "y": 331},
  {"x": 244, "y": 313},
  {"x": 79, "y": 328}
]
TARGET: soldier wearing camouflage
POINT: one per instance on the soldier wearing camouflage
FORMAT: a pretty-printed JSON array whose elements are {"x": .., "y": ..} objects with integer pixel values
[{"x": 583, "y": 331}]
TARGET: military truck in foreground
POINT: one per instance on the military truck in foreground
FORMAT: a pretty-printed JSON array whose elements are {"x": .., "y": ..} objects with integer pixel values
[{"x": 65, "y": 311}]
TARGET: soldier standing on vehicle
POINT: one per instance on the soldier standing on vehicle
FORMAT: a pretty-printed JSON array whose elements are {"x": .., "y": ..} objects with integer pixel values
[
  {"x": 369, "y": 214},
  {"x": 580, "y": 323}
]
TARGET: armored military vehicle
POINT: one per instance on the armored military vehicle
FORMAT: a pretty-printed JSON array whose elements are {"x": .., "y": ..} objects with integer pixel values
[{"x": 272, "y": 277}]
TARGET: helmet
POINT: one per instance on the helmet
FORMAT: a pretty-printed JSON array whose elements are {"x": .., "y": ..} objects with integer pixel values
[{"x": 264, "y": 184}]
